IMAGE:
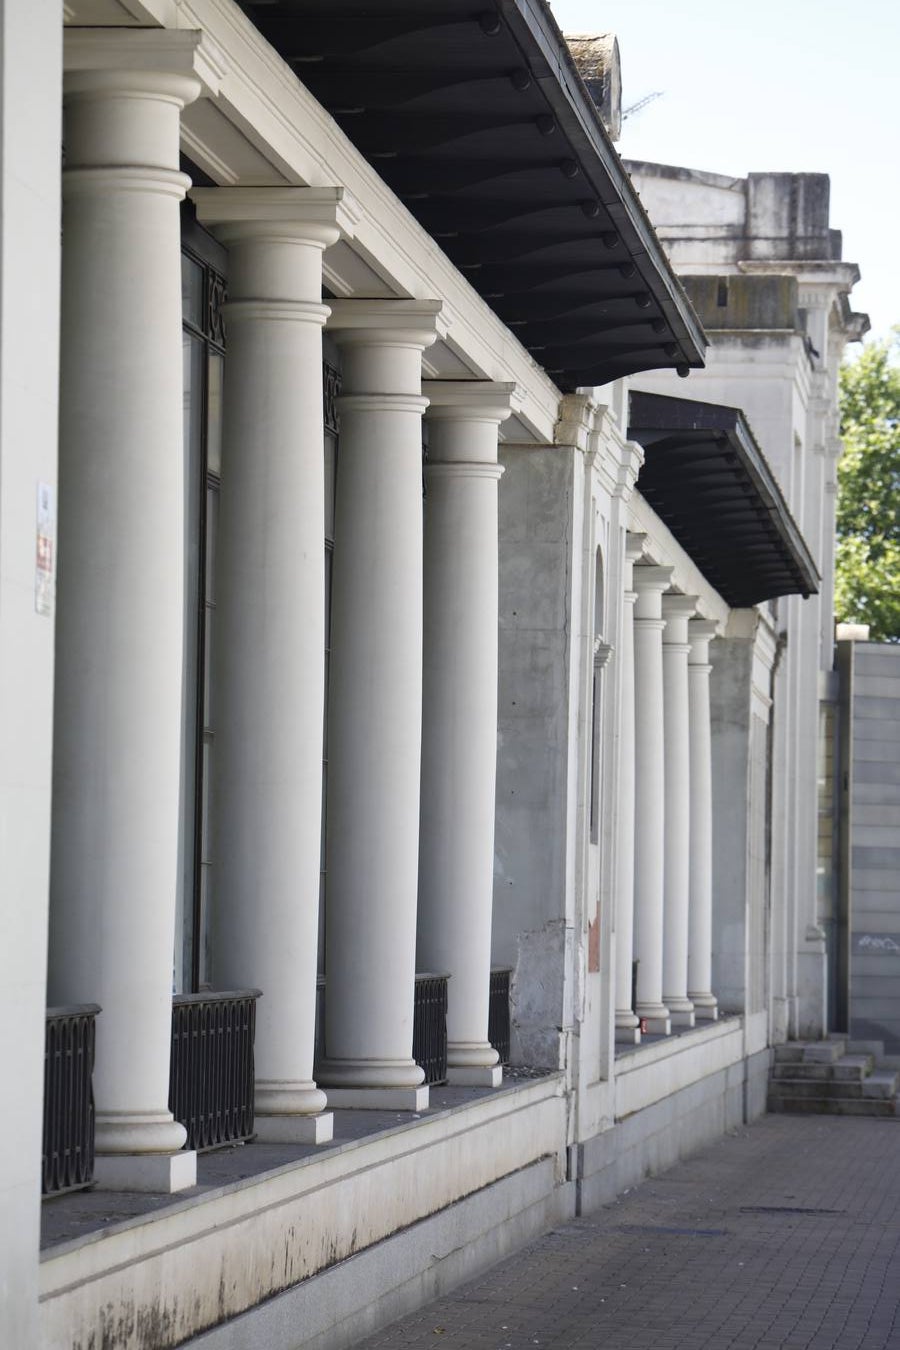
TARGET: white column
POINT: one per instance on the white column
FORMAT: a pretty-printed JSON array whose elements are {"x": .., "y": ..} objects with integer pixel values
[
  {"x": 270, "y": 634},
  {"x": 375, "y": 707},
  {"x": 649, "y": 769},
  {"x": 459, "y": 725},
  {"x": 677, "y": 609},
  {"x": 700, "y": 633},
  {"x": 627, "y": 1023},
  {"x": 121, "y": 585}
]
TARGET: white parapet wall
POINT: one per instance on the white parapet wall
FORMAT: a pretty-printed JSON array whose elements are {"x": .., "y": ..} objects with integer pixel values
[{"x": 154, "y": 1282}]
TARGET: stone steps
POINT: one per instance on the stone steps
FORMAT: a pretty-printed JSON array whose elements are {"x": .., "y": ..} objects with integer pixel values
[{"x": 819, "y": 1077}]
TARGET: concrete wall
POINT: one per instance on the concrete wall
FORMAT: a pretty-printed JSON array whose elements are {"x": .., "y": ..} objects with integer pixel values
[
  {"x": 692, "y": 1099},
  {"x": 533, "y": 886},
  {"x": 30, "y": 78},
  {"x": 875, "y": 846}
]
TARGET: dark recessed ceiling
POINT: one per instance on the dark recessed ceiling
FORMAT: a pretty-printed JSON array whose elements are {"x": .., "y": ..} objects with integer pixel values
[
  {"x": 475, "y": 116},
  {"x": 706, "y": 478}
]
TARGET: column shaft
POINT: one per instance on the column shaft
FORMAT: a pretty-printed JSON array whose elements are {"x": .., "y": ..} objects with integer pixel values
[
  {"x": 649, "y": 583},
  {"x": 701, "y": 896},
  {"x": 627, "y": 1024},
  {"x": 121, "y": 594},
  {"x": 459, "y": 737},
  {"x": 677, "y": 609},
  {"x": 270, "y": 636},
  {"x": 375, "y": 707}
]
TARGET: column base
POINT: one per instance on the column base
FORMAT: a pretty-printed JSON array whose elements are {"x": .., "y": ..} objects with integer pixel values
[
  {"x": 316, "y": 1129},
  {"x": 379, "y": 1099},
  {"x": 474, "y": 1075},
  {"x": 706, "y": 1007},
  {"x": 288, "y": 1099},
  {"x": 160, "y": 1173},
  {"x": 368, "y": 1073},
  {"x": 681, "y": 1018}
]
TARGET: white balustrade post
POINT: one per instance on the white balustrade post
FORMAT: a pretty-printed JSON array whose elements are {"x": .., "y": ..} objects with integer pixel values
[
  {"x": 120, "y": 625},
  {"x": 375, "y": 707},
  {"x": 677, "y": 610},
  {"x": 270, "y": 634},
  {"x": 649, "y": 768},
  {"x": 459, "y": 724},
  {"x": 700, "y": 633},
  {"x": 627, "y": 1023}
]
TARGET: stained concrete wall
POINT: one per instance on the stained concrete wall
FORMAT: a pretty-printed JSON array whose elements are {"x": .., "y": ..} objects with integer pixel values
[
  {"x": 30, "y": 100},
  {"x": 875, "y": 846},
  {"x": 533, "y": 885}
]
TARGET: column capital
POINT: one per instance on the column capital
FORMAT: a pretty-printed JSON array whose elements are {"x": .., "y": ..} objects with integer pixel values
[
  {"x": 389, "y": 323},
  {"x": 648, "y": 577},
  {"x": 135, "y": 60},
  {"x": 309, "y": 215},
  {"x": 676, "y": 610},
  {"x": 471, "y": 400},
  {"x": 700, "y": 634},
  {"x": 634, "y": 546},
  {"x": 648, "y": 583}
]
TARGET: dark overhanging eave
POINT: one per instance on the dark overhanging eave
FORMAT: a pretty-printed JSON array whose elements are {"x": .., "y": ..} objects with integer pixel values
[
  {"x": 709, "y": 482},
  {"x": 476, "y": 116}
]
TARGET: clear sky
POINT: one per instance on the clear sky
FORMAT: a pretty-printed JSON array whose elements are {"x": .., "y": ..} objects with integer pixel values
[{"x": 772, "y": 85}]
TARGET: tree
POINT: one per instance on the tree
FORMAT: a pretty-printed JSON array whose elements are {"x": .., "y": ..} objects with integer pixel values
[{"x": 867, "y": 568}]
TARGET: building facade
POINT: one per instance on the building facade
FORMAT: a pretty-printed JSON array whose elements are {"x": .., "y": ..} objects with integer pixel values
[{"x": 371, "y": 615}]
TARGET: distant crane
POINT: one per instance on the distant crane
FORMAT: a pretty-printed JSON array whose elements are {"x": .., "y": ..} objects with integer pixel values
[{"x": 642, "y": 103}]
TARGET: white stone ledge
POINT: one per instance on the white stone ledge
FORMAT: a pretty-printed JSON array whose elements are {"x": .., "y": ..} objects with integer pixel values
[
  {"x": 651, "y": 1072},
  {"x": 213, "y": 1255}
]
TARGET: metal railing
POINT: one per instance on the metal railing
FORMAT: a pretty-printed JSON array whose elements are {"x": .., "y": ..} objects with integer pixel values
[
  {"x": 498, "y": 1012},
  {"x": 68, "y": 1144},
  {"x": 430, "y": 1027},
  {"x": 211, "y": 1069}
]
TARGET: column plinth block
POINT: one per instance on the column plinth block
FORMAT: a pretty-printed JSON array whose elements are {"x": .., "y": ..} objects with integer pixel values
[
  {"x": 294, "y": 1129},
  {"x": 156, "y": 1173},
  {"x": 475, "y": 1076},
  {"x": 379, "y": 1099}
]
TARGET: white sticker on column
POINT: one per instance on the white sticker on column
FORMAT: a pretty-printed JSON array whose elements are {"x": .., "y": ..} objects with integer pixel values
[{"x": 46, "y": 539}]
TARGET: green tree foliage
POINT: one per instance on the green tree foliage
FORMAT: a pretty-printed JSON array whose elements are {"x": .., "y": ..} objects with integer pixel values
[{"x": 867, "y": 581}]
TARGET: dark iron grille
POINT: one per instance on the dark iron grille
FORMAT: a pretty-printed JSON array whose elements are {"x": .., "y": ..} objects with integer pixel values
[
  {"x": 211, "y": 1071},
  {"x": 68, "y": 1147},
  {"x": 430, "y": 1027},
  {"x": 498, "y": 1013}
]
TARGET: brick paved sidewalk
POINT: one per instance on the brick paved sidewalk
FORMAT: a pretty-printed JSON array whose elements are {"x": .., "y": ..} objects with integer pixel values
[{"x": 782, "y": 1236}]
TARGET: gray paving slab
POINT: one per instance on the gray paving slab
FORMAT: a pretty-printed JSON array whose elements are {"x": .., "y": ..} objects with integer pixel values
[{"x": 782, "y": 1236}]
